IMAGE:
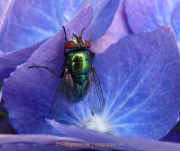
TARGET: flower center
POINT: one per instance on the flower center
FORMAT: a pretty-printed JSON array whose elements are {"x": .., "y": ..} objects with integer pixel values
[{"x": 97, "y": 123}]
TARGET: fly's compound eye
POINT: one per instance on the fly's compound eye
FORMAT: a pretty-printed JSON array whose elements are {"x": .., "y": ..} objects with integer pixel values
[
  {"x": 88, "y": 45},
  {"x": 70, "y": 45}
]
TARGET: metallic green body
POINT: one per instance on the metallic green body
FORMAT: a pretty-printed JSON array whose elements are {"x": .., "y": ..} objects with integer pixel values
[{"x": 79, "y": 64}]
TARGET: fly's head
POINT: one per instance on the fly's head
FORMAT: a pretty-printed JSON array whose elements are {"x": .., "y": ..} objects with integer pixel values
[{"x": 76, "y": 43}]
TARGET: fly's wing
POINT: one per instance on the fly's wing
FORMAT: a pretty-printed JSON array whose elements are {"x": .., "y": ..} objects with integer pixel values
[
  {"x": 66, "y": 95},
  {"x": 94, "y": 99},
  {"x": 59, "y": 103}
]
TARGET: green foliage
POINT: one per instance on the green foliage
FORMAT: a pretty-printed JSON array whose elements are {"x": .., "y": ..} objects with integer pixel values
[
  {"x": 1, "y": 85},
  {"x": 3, "y": 113}
]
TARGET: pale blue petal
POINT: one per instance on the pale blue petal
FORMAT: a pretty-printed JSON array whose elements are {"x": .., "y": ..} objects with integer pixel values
[{"x": 32, "y": 21}]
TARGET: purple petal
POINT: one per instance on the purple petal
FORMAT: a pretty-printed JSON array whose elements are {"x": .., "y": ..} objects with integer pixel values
[
  {"x": 117, "y": 141},
  {"x": 146, "y": 15},
  {"x": 36, "y": 142},
  {"x": 29, "y": 92},
  {"x": 104, "y": 19},
  {"x": 33, "y": 146},
  {"x": 176, "y": 22},
  {"x": 5, "y": 9},
  {"x": 140, "y": 80},
  {"x": 118, "y": 29},
  {"x": 41, "y": 139},
  {"x": 9, "y": 61},
  {"x": 37, "y": 20},
  {"x": 5, "y": 127},
  {"x": 101, "y": 9}
]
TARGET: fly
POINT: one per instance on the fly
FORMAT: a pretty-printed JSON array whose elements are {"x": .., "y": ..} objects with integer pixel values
[{"x": 79, "y": 79}]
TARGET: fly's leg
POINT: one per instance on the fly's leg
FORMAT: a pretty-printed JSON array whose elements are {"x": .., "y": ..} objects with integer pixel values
[
  {"x": 67, "y": 78},
  {"x": 47, "y": 69},
  {"x": 92, "y": 113}
]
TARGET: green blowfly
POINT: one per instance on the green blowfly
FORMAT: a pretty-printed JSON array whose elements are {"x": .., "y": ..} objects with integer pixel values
[{"x": 79, "y": 79}]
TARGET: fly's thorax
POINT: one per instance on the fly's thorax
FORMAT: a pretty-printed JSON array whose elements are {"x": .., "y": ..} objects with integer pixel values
[
  {"x": 78, "y": 56},
  {"x": 79, "y": 65}
]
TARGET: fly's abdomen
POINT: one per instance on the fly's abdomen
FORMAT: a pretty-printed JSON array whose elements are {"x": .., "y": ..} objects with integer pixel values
[{"x": 80, "y": 65}]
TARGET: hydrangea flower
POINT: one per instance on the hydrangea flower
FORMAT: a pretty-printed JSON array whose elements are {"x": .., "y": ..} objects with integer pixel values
[
  {"x": 153, "y": 14},
  {"x": 138, "y": 74}
]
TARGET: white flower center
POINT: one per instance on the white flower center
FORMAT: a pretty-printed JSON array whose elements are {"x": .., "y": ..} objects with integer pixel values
[{"x": 97, "y": 123}]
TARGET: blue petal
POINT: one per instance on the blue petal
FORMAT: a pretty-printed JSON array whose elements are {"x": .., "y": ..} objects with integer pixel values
[
  {"x": 118, "y": 29},
  {"x": 5, "y": 9},
  {"x": 140, "y": 81},
  {"x": 28, "y": 93},
  {"x": 77, "y": 115},
  {"x": 117, "y": 142},
  {"x": 9, "y": 61},
  {"x": 103, "y": 19},
  {"x": 70, "y": 7},
  {"x": 146, "y": 15},
  {"x": 32, "y": 22}
]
